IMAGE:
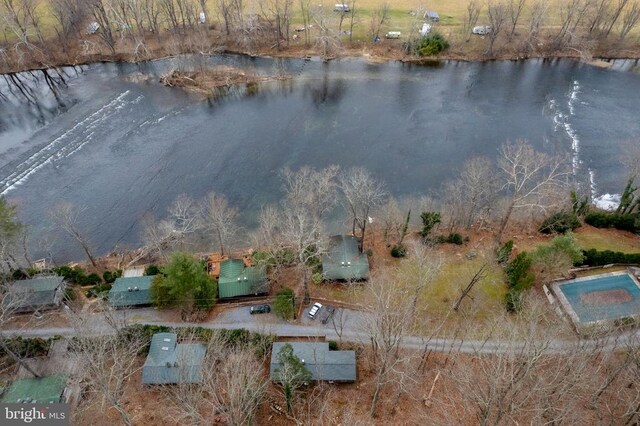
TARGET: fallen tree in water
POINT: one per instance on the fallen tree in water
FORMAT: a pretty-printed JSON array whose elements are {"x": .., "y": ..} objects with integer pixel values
[{"x": 205, "y": 81}]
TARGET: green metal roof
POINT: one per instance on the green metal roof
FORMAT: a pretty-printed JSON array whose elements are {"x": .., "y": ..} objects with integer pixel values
[
  {"x": 42, "y": 389},
  {"x": 120, "y": 296},
  {"x": 34, "y": 293},
  {"x": 237, "y": 280},
  {"x": 169, "y": 362},
  {"x": 323, "y": 364},
  {"x": 344, "y": 260}
]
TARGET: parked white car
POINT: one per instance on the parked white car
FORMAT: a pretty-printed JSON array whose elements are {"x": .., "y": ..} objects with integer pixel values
[
  {"x": 482, "y": 30},
  {"x": 314, "y": 310},
  {"x": 341, "y": 7},
  {"x": 393, "y": 34}
]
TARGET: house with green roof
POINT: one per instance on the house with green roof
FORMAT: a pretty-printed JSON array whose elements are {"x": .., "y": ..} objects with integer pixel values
[
  {"x": 50, "y": 389},
  {"x": 130, "y": 291},
  {"x": 237, "y": 279},
  {"x": 343, "y": 261},
  {"x": 36, "y": 294},
  {"x": 170, "y": 362},
  {"x": 322, "y": 364}
]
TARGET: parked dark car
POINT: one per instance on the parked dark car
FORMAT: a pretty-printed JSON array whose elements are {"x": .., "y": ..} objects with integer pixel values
[
  {"x": 260, "y": 309},
  {"x": 326, "y": 314}
]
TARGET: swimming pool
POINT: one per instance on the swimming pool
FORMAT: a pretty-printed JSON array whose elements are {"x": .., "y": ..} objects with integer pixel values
[{"x": 601, "y": 297}]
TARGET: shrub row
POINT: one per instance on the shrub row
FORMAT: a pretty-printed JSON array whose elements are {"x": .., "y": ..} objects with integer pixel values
[
  {"x": 625, "y": 222},
  {"x": 599, "y": 258},
  {"x": 26, "y": 348},
  {"x": 559, "y": 223}
]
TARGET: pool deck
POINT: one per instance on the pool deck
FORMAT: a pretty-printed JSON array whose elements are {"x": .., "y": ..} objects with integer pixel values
[{"x": 568, "y": 308}]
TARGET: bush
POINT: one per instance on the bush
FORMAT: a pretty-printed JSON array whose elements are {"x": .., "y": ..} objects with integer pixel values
[
  {"x": 109, "y": 277},
  {"x": 151, "y": 270},
  {"x": 431, "y": 44},
  {"x": 503, "y": 253},
  {"x": 595, "y": 257},
  {"x": 518, "y": 272},
  {"x": 100, "y": 290},
  {"x": 429, "y": 221},
  {"x": 399, "y": 250},
  {"x": 453, "y": 238},
  {"x": 284, "y": 305},
  {"x": 77, "y": 275},
  {"x": 625, "y": 222},
  {"x": 26, "y": 347},
  {"x": 69, "y": 294},
  {"x": 317, "y": 278},
  {"x": 513, "y": 300},
  {"x": 333, "y": 345},
  {"x": 18, "y": 275},
  {"x": 559, "y": 223}
]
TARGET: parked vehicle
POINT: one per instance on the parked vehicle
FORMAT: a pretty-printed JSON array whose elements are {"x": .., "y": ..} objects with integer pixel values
[
  {"x": 260, "y": 309},
  {"x": 327, "y": 313},
  {"x": 341, "y": 7},
  {"x": 482, "y": 30},
  {"x": 314, "y": 310},
  {"x": 393, "y": 34}
]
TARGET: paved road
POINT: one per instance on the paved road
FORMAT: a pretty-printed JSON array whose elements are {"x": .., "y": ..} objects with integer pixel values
[{"x": 235, "y": 318}]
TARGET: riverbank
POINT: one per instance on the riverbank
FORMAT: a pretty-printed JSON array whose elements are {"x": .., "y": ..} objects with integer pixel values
[{"x": 384, "y": 51}]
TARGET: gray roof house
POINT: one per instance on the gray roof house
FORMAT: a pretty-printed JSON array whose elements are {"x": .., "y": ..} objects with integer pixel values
[
  {"x": 170, "y": 362},
  {"x": 36, "y": 294},
  {"x": 130, "y": 291},
  {"x": 323, "y": 364},
  {"x": 344, "y": 260}
]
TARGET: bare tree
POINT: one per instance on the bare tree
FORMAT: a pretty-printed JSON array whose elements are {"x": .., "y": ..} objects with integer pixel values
[
  {"x": 630, "y": 19},
  {"x": 515, "y": 10},
  {"x": 379, "y": 18},
  {"x": 530, "y": 179},
  {"x": 108, "y": 361},
  {"x": 101, "y": 16},
  {"x": 361, "y": 194},
  {"x": 310, "y": 195},
  {"x": 471, "y": 19},
  {"x": 339, "y": 320},
  {"x": 390, "y": 317},
  {"x": 537, "y": 13},
  {"x": 220, "y": 219},
  {"x": 497, "y": 15},
  {"x": 184, "y": 216},
  {"x": 67, "y": 217},
  {"x": 241, "y": 386},
  {"x": 468, "y": 199}
]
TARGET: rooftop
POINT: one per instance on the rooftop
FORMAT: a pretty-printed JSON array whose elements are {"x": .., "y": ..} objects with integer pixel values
[
  {"x": 344, "y": 260},
  {"x": 237, "y": 279},
  {"x": 130, "y": 291},
  {"x": 170, "y": 363},
  {"x": 34, "y": 293},
  {"x": 323, "y": 364},
  {"x": 43, "y": 389}
]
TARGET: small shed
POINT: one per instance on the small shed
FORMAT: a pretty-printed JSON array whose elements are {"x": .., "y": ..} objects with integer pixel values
[
  {"x": 322, "y": 364},
  {"x": 36, "y": 294},
  {"x": 432, "y": 16},
  {"x": 131, "y": 291},
  {"x": 50, "y": 389},
  {"x": 237, "y": 279},
  {"x": 344, "y": 261},
  {"x": 170, "y": 362}
]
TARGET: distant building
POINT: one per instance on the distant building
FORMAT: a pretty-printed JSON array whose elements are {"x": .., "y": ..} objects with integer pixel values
[
  {"x": 36, "y": 294},
  {"x": 237, "y": 279},
  {"x": 323, "y": 364},
  {"x": 46, "y": 390},
  {"x": 132, "y": 291},
  {"x": 344, "y": 260},
  {"x": 169, "y": 362}
]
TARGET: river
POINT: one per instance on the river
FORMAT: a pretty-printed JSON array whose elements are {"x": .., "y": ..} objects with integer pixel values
[{"x": 121, "y": 147}]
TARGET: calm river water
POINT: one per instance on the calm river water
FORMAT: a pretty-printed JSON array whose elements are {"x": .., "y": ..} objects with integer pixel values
[{"x": 122, "y": 148}]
